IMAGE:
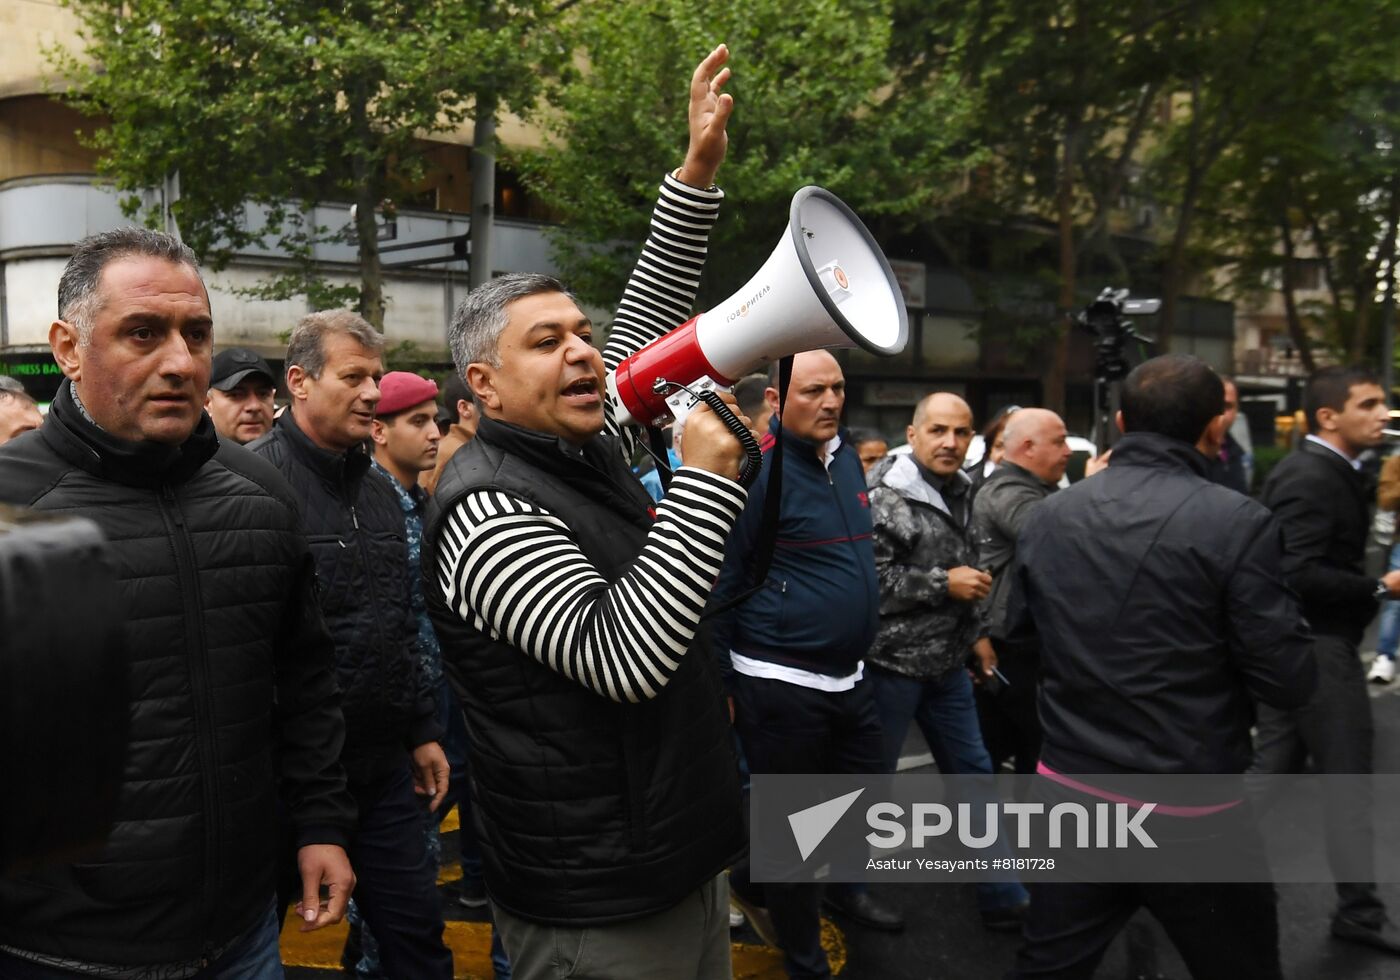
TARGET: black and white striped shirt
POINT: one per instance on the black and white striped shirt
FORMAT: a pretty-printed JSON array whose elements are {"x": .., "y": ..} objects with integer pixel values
[{"x": 514, "y": 571}]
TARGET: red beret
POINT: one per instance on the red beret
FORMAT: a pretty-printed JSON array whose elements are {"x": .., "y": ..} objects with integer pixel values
[{"x": 399, "y": 390}]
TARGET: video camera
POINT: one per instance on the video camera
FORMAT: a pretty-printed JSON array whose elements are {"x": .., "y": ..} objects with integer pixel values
[
  {"x": 63, "y": 688},
  {"x": 1107, "y": 321}
]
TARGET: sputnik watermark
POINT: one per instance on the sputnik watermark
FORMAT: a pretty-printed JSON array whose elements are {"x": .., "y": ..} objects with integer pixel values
[
  {"x": 1105, "y": 824},
  {"x": 1083, "y": 828}
]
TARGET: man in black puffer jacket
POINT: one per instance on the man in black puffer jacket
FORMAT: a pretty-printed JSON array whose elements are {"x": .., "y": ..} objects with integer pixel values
[
  {"x": 1163, "y": 618},
  {"x": 230, "y": 684},
  {"x": 358, "y": 538}
]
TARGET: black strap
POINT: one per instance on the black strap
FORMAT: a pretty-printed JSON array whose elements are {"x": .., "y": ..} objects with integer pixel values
[
  {"x": 662, "y": 457},
  {"x": 761, "y": 558}
]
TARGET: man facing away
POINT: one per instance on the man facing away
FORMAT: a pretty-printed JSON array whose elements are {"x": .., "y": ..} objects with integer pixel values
[
  {"x": 604, "y": 781},
  {"x": 1163, "y": 617},
  {"x": 1036, "y": 452},
  {"x": 241, "y": 388},
  {"x": 1321, "y": 501},
  {"x": 18, "y": 412},
  {"x": 233, "y": 700},
  {"x": 359, "y": 540},
  {"x": 930, "y": 619}
]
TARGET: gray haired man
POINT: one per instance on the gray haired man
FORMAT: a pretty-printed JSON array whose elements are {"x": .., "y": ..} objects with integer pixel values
[
  {"x": 18, "y": 413},
  {"x": 232, "y": 696},
  {"x": 603, "y": 771},
  {"x": 360, "y": 543}
]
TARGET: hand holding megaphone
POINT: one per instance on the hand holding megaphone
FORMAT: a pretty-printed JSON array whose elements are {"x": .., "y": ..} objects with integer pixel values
[
  {"x": 826, "y": 284},
  {"x": 715, "y": 438}
]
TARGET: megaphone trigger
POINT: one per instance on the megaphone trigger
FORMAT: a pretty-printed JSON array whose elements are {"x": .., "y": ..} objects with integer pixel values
[{"x": 683, "y": 402}]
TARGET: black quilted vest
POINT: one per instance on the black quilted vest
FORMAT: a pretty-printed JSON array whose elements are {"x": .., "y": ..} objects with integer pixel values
[{"x": 589, "y": 811}]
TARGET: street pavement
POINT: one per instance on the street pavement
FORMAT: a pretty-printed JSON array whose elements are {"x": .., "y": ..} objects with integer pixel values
[{"x": 945, "y": 937}]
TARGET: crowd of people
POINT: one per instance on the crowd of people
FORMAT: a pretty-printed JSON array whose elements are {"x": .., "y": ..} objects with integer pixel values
[{"x": 385, "y": 599}]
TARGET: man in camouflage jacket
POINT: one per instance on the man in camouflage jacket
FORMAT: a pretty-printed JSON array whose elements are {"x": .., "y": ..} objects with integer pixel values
[{"x": 930, "y": 618}]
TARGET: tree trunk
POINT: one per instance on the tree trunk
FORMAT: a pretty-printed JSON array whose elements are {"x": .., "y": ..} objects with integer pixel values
[
  {"x": 1057, "y": 374},
  {"x": 367, "y": 234},
  {"x": 365, "y": 171},
  {"x": 1296, "y": 332},
  {"x": 483, "y": 166}
]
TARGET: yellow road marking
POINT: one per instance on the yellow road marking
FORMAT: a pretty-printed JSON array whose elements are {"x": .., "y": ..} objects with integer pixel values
[{"x": 470, "y": 943}]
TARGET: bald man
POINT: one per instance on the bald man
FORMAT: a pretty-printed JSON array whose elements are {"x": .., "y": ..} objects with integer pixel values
[
  {"x": 931, "y": 623},
  {"x": 1036, "y": 453},
  {"x": 802, "y": 702}
]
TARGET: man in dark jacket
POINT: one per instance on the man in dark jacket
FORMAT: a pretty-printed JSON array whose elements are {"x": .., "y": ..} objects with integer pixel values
[
  {"x": 604, "y": 783},
  {"x": 358, "y": 538},
  {"x": 232, "y": 696},
  {"x": 795, "y": 648},
  {"x": 1036, "y": 452},
  {"x": 1163, "y": 617},
  {"x": 1321, "y": 500},
  {"x": 930, "y": 620}
]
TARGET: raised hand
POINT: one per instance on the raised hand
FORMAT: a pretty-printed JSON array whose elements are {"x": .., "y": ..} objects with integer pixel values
[{"x": 709, "y": 114}]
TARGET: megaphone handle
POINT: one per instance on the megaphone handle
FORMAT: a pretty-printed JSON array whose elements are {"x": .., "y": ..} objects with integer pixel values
[{"x": 753, "y": 456}]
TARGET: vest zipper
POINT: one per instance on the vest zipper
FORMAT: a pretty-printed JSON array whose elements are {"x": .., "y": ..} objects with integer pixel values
[{"x": 200, "y": 698}]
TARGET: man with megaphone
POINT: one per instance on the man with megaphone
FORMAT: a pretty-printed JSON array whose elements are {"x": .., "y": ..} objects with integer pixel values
[{"x": 568, "y": 608}]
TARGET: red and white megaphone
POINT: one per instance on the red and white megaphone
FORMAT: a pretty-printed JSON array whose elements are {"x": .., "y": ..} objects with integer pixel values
[{"x": 826, "y": 284}]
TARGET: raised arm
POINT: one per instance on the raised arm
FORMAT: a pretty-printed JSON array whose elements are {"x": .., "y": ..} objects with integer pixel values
[{"x": 661, "y": 291}]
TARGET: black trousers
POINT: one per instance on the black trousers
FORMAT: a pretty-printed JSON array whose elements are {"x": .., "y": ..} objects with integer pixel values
[
  {"x": 1335, "y": 729},
  {"x": 1223, "y": 931},
  {"x": 396, "y": 887},
  {"x": 1009, "y": 719},
  {"x": 789, "y": 729}
]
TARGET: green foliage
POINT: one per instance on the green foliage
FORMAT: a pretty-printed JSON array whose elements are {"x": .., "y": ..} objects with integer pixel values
[
  {"x": 1265, "y": 459},
  {"x": 817, "y": 102},
  {"x": 1289, "y": 144},
  {"x": 280, "y": 104}
]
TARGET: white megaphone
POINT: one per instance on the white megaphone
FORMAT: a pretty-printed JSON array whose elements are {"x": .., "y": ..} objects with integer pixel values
[{"x": 827, "y": 284}]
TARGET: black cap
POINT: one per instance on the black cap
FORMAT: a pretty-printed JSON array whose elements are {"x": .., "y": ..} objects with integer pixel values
[{"x": 234, "y": 364}]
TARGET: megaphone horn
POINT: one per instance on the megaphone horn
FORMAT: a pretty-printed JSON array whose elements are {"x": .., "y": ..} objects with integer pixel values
[{"x": 826, "y": 284}]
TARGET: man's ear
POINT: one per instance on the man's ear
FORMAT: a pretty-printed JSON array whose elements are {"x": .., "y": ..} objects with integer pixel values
[
  {"x": 1326, "y": 420},
  {"x": 296, "y": 382},
  {"x": 465, "y": 408},
  {"x": 909, "y": 434},
  {"x": 1118, "y": 421},
  {"x": 67, "y": 352},
  {"x": 770, "y": 398},
  {"x": 209, "y": 400},
  {"x": 378, "y": 431},
  {"x": 481, "y": 379}
]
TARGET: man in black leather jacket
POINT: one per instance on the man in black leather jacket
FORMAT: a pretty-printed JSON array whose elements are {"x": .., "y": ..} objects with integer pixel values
[
  {"x": 358, "y": 538},
  {"x": 232, "y": 696},
  {"x": 1163, "y": 618}
]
